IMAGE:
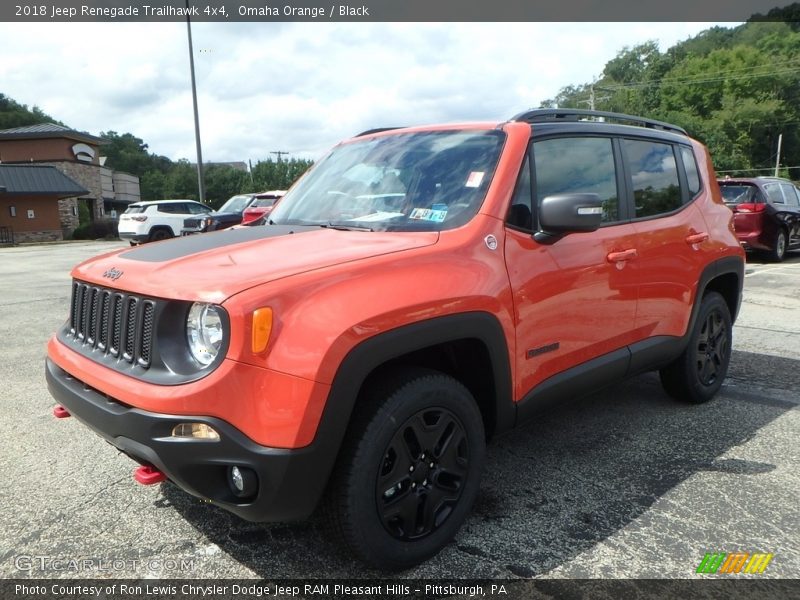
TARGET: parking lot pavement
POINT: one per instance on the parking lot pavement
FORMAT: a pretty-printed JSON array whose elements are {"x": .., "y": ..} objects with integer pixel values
[{"x": 625, "y": 483}]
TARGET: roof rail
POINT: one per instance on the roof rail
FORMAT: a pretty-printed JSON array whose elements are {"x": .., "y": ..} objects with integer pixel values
[
  {"x": 377, "y": 130},
  {"x": 544, "y": 115}
]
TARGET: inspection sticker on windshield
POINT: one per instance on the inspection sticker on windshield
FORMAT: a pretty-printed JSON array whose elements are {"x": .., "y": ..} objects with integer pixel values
[
  {"x": 426, "y": 214},
  {"x": 474, "y": 179}
]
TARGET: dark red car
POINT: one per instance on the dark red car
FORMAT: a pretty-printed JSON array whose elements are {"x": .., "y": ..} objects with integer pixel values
[
  {"x": 766, "y": 213},
  {"x": 261, "y": 206}
]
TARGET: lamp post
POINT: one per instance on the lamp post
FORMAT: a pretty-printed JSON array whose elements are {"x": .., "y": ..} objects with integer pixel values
[{"x": 200, "y": 186}]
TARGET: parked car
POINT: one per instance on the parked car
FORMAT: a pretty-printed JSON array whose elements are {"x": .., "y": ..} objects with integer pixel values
[
  {"x": 156, "y": 220},
  {"x": 228, "y": 215},
  {"x": 262, "y": 206},
  {"x": 766, "y": 213},
  {"x": 416, "y": 293}
]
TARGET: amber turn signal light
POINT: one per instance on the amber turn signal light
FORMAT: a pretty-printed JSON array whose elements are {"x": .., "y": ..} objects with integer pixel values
[{"x": 262, "y": 326}]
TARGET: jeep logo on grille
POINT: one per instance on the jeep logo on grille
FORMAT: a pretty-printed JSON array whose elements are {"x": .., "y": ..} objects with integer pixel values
[{"x": 113, "y": 274}]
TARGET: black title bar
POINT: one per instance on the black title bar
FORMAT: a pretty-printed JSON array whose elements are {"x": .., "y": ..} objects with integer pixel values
[{"x": 383, "y": 10}]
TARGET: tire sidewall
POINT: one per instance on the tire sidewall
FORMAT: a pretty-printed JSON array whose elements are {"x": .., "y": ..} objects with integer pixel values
[
  {"x": 780, "y": 245},
  {"x": 430, "y": 392},
  {"x": 701, "y": 392}
]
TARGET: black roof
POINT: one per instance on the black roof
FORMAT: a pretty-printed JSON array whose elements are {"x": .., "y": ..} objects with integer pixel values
[
  {"x": 37, "y": 180},
  {"x": 49, "y": 130}
]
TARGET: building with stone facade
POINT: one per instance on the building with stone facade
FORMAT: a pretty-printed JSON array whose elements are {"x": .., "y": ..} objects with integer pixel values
[
  {"x": 77, "y": 155},
  {"x": 29, "y": 202}
]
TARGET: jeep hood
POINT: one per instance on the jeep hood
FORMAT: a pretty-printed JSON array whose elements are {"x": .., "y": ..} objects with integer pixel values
[{"x": 211, "y": 267}]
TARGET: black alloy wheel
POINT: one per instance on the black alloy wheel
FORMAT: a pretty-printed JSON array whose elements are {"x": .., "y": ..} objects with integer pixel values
[
  {"x": 697, "y": 374},
  {"x": 409, "y": 468},
  {"x": 422, "y": 474}
]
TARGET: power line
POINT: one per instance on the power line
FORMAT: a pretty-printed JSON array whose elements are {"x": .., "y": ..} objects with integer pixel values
[{"x": 730, "y": 75}]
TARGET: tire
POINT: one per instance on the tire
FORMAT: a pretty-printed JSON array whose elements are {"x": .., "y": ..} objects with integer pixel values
[
  {"x": 409, "y": 470},
  {"x": 160, "y": 234},
  {"x": 778, "y": 251},
  {"x": 697, "y": 374}
]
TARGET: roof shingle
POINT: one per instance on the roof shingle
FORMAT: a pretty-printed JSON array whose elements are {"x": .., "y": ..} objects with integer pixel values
[
  {"x": 45, "y": 130},
  {"x": 38, "y": 180}
]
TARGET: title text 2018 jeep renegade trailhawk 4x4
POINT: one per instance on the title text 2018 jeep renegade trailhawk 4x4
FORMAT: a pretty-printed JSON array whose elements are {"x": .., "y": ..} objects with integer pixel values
[{"x": 417, "y": 291}]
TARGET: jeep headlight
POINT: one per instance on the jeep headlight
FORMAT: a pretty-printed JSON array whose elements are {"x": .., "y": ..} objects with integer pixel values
[{"x": 204, "y": 332}]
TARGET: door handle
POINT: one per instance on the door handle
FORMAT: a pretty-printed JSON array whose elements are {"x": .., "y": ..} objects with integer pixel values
[
  {"x": 622, "y": 255},
  {"x": 696, "y": 238}
]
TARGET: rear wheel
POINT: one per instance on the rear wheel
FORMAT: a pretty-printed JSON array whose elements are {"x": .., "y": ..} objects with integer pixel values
[
  {"x": 160, "y": 234},
  {"x": 697, "y": 374},
  {"x": 778, "y": 251},
  {"x": 409, "y": 471}
]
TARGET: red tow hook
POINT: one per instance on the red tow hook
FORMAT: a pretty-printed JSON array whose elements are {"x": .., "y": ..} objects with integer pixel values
[
  {"x": 59, "y": 412},
  {"x": 147, "y": 475}
]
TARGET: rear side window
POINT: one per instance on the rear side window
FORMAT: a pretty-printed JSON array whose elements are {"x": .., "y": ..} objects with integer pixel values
[
  {"x": 654, "y": 176},
  {"x": 789, "y": 194},
  {"x": 773, "y": 191},
  {"x": 174, "y": 208},
  {"x": 692, "y": 174},
  {"x": 577, "y": 165}
]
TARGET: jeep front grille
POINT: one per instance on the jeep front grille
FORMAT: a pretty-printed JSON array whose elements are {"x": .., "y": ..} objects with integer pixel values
[{"x": 113, "y": 323}]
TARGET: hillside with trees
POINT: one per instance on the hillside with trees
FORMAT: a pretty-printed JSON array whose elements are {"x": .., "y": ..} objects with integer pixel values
[
  {"x": 734, "y": 89},
  {"x": 160, "y": 177},
  {"x": 13, "y": 114}
]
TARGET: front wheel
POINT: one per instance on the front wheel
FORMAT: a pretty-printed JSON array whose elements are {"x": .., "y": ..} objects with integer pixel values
[
  {"x": 409, "y": 471},
  {"x": 697, "y": 374},
  {"x": 778, "y": 251}
]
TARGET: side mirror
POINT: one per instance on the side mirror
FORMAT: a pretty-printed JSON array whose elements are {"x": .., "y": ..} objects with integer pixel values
[{"x": 567, "y": 213}]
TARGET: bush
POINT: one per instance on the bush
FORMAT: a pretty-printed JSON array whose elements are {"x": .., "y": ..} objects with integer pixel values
[{"x": 102, "y": 228}]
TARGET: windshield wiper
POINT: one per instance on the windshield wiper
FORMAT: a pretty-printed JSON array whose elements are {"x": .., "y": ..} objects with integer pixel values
[{"x": 345, "y": 226}]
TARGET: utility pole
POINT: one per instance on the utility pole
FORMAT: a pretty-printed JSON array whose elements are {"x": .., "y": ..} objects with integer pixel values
[
  {"x": 778, "y": 159},
  {"x": 279, "y": 153},
  {"x": 592, "y": 98},
  {"x": 200, "y": 186}
]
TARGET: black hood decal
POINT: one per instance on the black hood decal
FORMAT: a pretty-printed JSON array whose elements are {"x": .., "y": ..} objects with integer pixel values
[{"x": 192, "y": 244}]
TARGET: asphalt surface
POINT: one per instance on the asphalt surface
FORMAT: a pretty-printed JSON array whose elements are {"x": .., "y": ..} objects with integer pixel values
[{"x": 623, "y": 484}]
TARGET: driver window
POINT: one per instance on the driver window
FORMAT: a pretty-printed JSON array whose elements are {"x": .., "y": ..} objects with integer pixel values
[{"x": 575, "y": 165}]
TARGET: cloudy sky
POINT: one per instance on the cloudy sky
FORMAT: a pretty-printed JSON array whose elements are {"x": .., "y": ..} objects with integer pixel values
[{"x": 300, "y": 87}]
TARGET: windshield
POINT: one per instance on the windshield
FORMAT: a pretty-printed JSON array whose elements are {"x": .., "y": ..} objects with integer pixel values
[
  {"x": 235, "y": 204},
  {"x": 402, "y": 182},
  {"x": 737, "y": 194}
]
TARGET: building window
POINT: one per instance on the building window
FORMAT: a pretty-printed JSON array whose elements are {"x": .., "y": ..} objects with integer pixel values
[
  {"x": 74, "y": 210},
  {"x": 12, "y": 211},
  {"x": 31, "y": 214}
]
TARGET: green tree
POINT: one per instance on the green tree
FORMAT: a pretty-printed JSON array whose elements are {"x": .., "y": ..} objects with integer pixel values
[
  {"x": 222, "y": 182},
  {"x": 13, "y": 114},
  {"x": 278, "y": 175},
  {"x": 181, "y": 181}
]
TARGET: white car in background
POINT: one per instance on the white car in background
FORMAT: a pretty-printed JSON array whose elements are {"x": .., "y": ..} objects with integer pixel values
[{"x": 157, "y": 219}]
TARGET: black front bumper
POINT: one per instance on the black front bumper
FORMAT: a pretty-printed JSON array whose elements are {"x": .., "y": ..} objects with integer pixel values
[{"x": 290, "y": 482}]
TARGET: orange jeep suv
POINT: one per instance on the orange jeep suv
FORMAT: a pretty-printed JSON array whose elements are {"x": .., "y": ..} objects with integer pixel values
[{"x": 418, "y": 291}]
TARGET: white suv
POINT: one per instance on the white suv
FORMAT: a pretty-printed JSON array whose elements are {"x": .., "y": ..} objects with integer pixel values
[{"x": 157, "y": 219}]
